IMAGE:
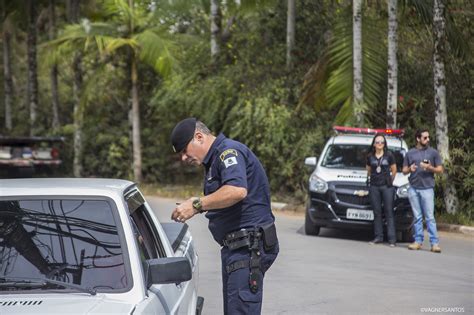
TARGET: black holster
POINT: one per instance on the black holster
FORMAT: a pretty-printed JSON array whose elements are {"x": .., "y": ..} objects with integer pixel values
[
  {"x": 250, "y": 238},
  {"x": 269, "y": 234}
]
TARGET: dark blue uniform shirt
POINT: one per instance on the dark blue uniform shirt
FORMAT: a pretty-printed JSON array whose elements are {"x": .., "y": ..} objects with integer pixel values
[
  {"x": 229, "y": 162},
  {"x": 383, "y": 177}
]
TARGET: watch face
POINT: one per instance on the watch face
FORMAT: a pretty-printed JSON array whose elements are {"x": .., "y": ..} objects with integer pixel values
[{"x": 197, "y": 204}]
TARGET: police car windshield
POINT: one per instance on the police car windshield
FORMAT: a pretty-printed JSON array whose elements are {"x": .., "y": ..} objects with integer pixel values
[
  {"x": 71, "y": 241},
  {"x": 353, "y": 156}
]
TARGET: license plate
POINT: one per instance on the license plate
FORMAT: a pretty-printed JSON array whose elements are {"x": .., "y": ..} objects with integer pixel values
[{"x": 357, "y": 214}]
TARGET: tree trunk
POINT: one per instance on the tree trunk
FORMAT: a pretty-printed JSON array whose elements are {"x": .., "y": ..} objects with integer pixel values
[
  {"x": 78, "y": 115},
  {"x": 392, "y": 70},
  {"x": 32, "y": 90},
  {"x": 441, "y": 115},
  {"x": 7, "y": 72},
  {"x": 216, "y": 21},
  {"x": 137, "y": 147},
  {"x": 290, "y": 34},
  {"x": 136, "y": 138},
  {"x": 358, "y": 93},
  {"x": 54, "y": 69}
]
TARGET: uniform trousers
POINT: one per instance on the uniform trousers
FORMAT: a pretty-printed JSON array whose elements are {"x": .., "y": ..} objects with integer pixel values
[{"x": 238, "y": 299}]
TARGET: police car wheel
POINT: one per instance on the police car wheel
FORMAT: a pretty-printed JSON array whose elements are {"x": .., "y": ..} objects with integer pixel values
[{"x": 309, "y": 227}]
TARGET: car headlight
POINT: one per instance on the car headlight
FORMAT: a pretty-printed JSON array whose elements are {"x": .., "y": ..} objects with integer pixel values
[
  {"x": 318, "y": 185},
  {"x": 402, "y": 191}
]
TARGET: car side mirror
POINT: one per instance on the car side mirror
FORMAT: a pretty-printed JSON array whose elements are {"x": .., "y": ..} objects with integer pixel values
[
  {"x": 168, "y": 270},
  {"x": 311, "y": 161}
]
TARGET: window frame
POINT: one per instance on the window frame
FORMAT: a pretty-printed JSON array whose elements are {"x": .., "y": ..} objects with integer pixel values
[{"x": 136, "y": 204}]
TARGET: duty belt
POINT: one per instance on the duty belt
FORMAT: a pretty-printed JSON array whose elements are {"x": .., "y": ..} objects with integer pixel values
[
  {"x": 241, "y": 238},
  {"x": 246, "y": 238}
]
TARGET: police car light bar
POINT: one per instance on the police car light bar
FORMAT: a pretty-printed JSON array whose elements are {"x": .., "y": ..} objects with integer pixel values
[{"x": 369, "y": 131}]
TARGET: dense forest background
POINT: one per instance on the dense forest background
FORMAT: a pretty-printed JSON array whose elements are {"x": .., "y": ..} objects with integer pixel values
[{"x": 114, "y": 77}]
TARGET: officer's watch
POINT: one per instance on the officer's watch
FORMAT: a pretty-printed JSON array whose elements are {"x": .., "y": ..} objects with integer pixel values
[{"x": 197, "y": 204}]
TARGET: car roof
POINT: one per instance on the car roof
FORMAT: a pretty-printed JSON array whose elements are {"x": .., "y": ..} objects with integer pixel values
[
  {"x": 64, "y": 187},
  {"x": 365, "y": 139}
]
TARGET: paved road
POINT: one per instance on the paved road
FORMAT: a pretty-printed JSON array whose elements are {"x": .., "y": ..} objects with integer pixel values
[{"x": 339, "y": 273}]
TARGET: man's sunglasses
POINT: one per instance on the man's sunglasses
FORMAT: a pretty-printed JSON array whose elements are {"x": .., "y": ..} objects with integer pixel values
[{"x": 427, "y": 137}]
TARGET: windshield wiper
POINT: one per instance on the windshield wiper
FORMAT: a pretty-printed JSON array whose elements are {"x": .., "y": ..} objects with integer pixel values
[{"x": 19, "y": 282}]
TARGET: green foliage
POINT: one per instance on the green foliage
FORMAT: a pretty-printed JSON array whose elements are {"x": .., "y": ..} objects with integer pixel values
[
  {"x": 247, "y": 94},
  {"x": 335, "y": 86}
]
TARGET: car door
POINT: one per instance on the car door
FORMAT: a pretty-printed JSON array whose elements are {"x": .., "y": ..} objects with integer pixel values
[{"x": 153, "y": 243}]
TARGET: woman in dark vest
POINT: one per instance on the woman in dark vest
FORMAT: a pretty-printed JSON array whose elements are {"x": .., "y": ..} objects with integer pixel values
[{"x": 381, "y": 170}]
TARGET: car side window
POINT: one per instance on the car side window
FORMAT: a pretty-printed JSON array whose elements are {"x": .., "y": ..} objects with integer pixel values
[
  {"x": 146, "y": 233},
  {"x": 144, "y": 253}
]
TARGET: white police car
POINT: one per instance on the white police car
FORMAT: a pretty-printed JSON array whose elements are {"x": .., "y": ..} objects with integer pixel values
[
  {"x": 91, "y": 246},
  {"x": 338, "y": 192}
]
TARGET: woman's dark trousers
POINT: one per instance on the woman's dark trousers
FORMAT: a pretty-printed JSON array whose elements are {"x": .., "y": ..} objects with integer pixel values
[{"x": 383, "y": 195}]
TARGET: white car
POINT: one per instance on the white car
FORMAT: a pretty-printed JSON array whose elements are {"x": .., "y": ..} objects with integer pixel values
[
  {"x": 91, "y": 246},
  {"x": 338, "y": 191}
]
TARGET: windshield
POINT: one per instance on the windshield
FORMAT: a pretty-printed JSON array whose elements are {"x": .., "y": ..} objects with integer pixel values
[
  {"x": 353, "y": 156},
  {"x": 73, "y": 241}
]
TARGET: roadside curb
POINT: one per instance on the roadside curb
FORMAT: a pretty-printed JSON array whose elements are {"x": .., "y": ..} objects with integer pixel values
[
  {"x": 453, "y": 228},
  {"x": 468, "y": 230}
]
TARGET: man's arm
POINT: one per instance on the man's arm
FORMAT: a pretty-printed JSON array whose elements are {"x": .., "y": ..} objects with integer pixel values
[
  {"x": 224, "y": 197},
  {"x": 430, "y": 168}
]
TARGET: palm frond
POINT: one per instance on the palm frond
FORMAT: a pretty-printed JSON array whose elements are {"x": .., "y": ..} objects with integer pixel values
[
  {"x": 345, "y": 114},
  {"x": 155, "y": 50},
  {"x": 248, "y": 6},
  {"x": 331, "y": 85},
  {"x": 424, "y": 11},
  {"x": 180, "y": 6},
  {"x": 117, "y": 10},
  {"x": 112, "y": 44}
]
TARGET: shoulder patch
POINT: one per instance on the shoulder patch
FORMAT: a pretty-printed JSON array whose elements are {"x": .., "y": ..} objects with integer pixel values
[
  {"x": 227, "y": 152},
  {"x": 230, "y": 161}
]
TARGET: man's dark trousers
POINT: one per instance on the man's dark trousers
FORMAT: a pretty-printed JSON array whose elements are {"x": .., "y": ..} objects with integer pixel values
[{"x": 238, "y": 299}]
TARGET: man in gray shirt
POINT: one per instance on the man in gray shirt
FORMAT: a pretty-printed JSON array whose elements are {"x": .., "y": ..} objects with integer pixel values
[{"x": 422, "y": 162}]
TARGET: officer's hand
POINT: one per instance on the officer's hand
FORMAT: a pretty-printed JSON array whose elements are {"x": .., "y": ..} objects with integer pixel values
[{"x": 184, "y": 211}]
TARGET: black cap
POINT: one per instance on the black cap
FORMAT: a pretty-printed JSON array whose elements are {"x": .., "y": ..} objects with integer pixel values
[{"x": 183, "y": 133}]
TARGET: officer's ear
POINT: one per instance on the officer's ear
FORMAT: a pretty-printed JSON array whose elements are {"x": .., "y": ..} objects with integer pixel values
[{"x": 199, "y": 137}]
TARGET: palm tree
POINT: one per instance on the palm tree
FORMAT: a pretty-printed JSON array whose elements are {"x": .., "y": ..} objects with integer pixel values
[
  {"x": 216, "y": 21},
  {"x": 127, "y": 30},
  {"x": 392, "y": 70},
  {"x": 290, "y": 34},
  {"x": 329, "y": 83},
  {"x": 54, "y": 68},
  {"x": 357, "y": 59},
  {"x": 7, "y": 29},
  {"x": 441, "y": 115},
  {"x": 32, "y": 88}
]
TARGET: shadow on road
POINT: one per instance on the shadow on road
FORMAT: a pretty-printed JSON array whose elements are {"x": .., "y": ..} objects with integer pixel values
[
  {"x": 354, "y": 235},
  {"x": 350, "y": 234}
]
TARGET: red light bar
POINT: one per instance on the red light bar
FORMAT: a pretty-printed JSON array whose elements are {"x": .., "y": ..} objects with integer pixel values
[{"x": 369, "y": 131}]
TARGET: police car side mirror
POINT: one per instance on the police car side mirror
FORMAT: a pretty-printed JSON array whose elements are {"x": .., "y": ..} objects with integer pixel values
[
  {"x": 168, "y": 270},
  {"x": 311, "y": 161}
]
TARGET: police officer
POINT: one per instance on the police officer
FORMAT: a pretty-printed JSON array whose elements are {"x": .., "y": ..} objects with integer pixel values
[{"x": 237, "y": 203}]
